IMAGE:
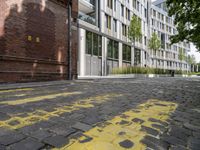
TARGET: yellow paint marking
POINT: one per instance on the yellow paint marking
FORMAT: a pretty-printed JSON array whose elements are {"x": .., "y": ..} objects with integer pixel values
[
  {"x": 16, "y": 90},
  {"x": 20, "y": 95},
  {"x": 38, "y": 98},
  {"x": 111, "y": 134},
  {"x": 41, "y": 115}
]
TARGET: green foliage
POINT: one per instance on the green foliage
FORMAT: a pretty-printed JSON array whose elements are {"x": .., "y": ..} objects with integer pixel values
[
  {"x": 187, "y": 20},
  {"x": 191, "y": 59},
  {"x": 142, "y": 70},
  {"x": 154, "y": 42},
  {"x": 181, "y": 55},
  {"x": 135, "y": 29}
]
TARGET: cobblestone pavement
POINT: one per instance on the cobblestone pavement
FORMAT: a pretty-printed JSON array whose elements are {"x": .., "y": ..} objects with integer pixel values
[{"x": 102, "y": 114}]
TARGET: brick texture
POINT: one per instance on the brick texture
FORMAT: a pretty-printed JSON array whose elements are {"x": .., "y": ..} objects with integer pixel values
[{"x": 34, "y": 39}]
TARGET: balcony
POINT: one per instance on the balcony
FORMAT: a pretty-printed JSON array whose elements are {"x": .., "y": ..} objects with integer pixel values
[
  {"x": 87, "y": 6},
  {"x": 87, "y": 18}
]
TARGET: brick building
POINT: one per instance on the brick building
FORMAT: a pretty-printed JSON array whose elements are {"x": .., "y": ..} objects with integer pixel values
[{"x": 34, "y": 40}]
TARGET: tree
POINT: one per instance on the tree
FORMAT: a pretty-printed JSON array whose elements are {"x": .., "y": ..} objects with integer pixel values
[
  {"x": 191, "y": 61},
  {"x": 187, "y": 20},
  {"x": 135, "y": 30},
  {"x": 154, "y": 44},
  {"x": 181, "y": 56}
]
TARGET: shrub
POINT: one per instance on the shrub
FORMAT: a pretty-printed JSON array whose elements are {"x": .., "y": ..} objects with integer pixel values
[{"x": 143, "y": 70}]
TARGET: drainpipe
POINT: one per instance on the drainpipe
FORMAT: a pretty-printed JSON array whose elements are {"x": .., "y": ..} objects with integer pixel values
[{"x": 69, "y": 40}]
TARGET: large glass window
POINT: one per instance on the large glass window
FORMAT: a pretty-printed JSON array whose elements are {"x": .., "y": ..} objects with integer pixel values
[
  {"x": 113, "y": 49},
  {"x": 137, "y": 59},
  {"x": 89, "y": 42},
  {"x": 126, "y": 53},
  {"x": 93, "y": 44}
]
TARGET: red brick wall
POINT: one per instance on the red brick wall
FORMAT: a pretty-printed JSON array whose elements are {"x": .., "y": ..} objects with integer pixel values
[{"x": 33, "y": 40}]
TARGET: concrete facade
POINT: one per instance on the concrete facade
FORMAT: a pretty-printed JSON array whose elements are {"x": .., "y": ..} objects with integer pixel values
[{"x": 110, "y": 20}]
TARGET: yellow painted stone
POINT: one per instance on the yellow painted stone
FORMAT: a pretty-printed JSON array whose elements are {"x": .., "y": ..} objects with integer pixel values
[
  {"x": 121, "y": 128},
  {"x": 38, "y": 98},
  {"x": 41, "y": 115},
  {"x": 15, "y": 90}
]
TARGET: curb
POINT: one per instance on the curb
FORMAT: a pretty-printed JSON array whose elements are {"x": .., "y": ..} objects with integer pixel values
[{"x": 11, "y": 86}]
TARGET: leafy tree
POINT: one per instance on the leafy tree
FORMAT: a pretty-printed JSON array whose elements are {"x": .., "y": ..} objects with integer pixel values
[
  {"x": 191, "y": 59},
  {"x": 135, "y": 30},
  {"x": 181, "y": 56},
  {"x": 154, "y": 44},
  {"x": 187, "y": 20}
]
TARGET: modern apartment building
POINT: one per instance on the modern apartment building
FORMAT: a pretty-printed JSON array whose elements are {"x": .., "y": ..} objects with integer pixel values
[
  {"x": 168, "y": 57},
  {"x": 104, "y": 42}
]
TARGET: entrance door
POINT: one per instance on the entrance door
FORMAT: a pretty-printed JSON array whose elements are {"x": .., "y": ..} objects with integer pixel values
[{"x": 93, "y": 54}]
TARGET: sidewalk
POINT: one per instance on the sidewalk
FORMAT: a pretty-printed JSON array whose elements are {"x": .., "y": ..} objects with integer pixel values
[{"x": 8, "y": 86}]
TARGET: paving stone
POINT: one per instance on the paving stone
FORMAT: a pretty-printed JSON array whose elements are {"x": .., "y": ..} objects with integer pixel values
[
  {"x": 4, "y": 116},
  {"x": 86, "y": 139},
  {"x": 149, "y": 130},
  {"x": 196, "y": 134},
  {"x": 178, "y": 148},
  {"x": 2, "y": 147},
  {"x": 91, "y": 120},
  {"x": 29, "y": 129},
  {"x": 62, "y": 130},
  {"x": 11, "y": 138},
  {"x": 180, "y": 133},
  {"x": 82, "y": 126},
  {"x": 154, "y": 143},
  {"x": 126, "y": 144},
  {"x": 124, "y": 122},
  {"x": 27, "y": 144},
  {"x": 158, "y": 121},
  {"x": 173, "y": 140},
  {"x": 192, "y": 127},
  {"x": 56, "y": 141},
  {"x": 194, "y": 144},
  {"x": 5, "y": 131},
  {"x": 41, "y": 134},
  {"x": 160, "y": 127},
  {"x": 137, "y": 120}
]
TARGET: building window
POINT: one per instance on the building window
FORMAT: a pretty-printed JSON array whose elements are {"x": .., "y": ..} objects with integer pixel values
[
  {"x": 138, "y": 6},
  {"x": 127, "y": 14},
  {"x": 122, "y": 10},
  {"x": 145, "y": 12},
  {"x": 113, "y": 49},
  {"x": 134, "y": 4},
  {"x": 124, "y": 30},
  {"x": 115, "y": 25},
  {"x": 154, "y": 13},
  {"x": 137, "y": 57},
  {"x": 126, "y": 53},
  {"x": 108, "y": 21},
  {"x": 110, "y": 4},
  {"x": 115, "y": 5},
  {"x": 93, "y": 44}
]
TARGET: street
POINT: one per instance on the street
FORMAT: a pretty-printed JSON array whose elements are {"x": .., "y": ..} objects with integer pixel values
[{"x": 101, "y": 114}]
